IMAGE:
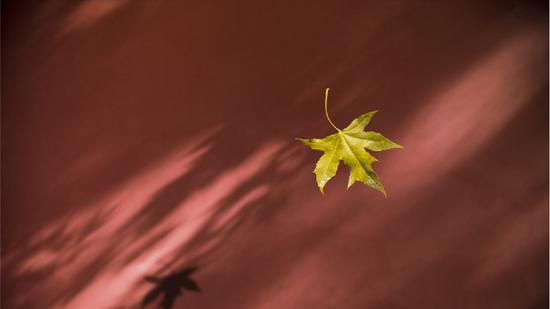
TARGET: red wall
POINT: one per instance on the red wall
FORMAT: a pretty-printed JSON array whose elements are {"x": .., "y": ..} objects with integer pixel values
[{"x": 140, "y": 137}]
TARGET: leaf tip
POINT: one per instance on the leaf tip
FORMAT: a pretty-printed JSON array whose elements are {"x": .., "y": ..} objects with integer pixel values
[
  {"x": 304, "y": 141},
  {"x": 372, "y": 113},
  {"x": 321, "y": 184},
  {"x": 351, "y": 181},
  {"x": 382, "y": 190}
]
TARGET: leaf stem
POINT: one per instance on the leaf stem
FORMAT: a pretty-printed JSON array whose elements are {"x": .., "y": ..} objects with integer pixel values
[{"x": 326, "y": 110}]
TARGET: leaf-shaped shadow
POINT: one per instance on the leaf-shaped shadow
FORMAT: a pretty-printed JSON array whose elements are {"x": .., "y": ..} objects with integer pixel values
[{"x": 170, "y": 287}]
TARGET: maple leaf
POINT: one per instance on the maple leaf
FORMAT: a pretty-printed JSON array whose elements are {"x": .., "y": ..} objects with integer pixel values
[{"x": 349, "y": 145}]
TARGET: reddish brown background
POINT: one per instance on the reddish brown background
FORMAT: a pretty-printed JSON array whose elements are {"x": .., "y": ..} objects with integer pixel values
[{"x": 139, "y": 137}]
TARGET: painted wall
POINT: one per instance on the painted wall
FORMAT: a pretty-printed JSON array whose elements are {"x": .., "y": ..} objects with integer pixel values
[{"x": 142, "y": 137}]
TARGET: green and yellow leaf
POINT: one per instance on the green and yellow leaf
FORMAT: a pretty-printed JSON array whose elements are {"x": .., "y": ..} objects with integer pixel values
[{"x": 349, "y": 145}]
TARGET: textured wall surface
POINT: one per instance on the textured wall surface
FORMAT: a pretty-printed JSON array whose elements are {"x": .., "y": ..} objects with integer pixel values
[{"x": 143, "y": 137}]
